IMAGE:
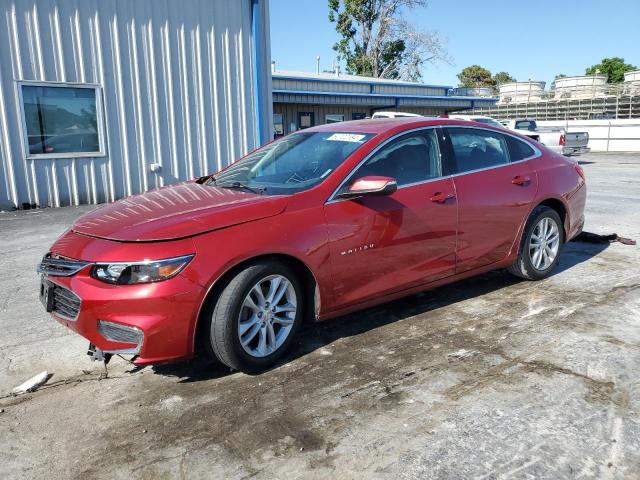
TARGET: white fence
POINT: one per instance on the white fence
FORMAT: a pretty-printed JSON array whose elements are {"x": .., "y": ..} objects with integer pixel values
[{"x": 604, "y": 135}]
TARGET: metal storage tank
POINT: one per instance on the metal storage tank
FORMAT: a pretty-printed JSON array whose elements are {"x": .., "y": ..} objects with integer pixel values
[
  {"x": 632, "y": 82},
  {"x": 583, "y": 86},
  {"x": 103, "y": 99},
  {"x": 520, "y": 92}
]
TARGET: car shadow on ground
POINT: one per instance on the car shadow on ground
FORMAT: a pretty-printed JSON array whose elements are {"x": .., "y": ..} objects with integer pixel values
[{"x": 317, "y": 335}]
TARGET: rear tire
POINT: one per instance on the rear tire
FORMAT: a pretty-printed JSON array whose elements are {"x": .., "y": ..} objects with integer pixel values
[
  {"x": 540, "y": 246},
  {"x": 256, "y": 316}
]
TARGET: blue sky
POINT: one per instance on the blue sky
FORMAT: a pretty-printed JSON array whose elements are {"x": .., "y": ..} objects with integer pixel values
[{"x": 563, "y": 36}]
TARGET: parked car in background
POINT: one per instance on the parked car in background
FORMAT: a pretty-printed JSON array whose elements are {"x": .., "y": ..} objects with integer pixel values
[
  {"x": 477, "y": 118},
  {"x": 394, "y": 115},
  {"x": 557, "y": 139},
  {"x": 322, "y": 222}
]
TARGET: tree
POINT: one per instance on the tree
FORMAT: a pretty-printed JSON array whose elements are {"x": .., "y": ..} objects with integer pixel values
[
  {"x": 502, "y": 77},
  {"x": 377, "y": 41},
  {"x": 476, "y": 76},
  {"x": 614, "y": 68}
]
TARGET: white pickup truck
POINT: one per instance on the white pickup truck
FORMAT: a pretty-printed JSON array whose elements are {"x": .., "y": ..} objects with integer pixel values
[
  {"x": 557, "y": 139},
  {"x": 567, "y": 143}
]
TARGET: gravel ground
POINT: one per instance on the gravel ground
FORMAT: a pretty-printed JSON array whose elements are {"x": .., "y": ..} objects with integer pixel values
[{"x": 487, "y": 378}]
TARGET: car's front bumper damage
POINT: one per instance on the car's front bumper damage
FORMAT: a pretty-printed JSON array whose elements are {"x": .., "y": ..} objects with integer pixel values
[{"x": 152, "y": 322}]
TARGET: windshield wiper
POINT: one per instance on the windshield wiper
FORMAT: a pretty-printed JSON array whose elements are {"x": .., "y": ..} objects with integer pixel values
[
  {"x": 241, "y": 186},
  {"x": 203, "y": 180}
]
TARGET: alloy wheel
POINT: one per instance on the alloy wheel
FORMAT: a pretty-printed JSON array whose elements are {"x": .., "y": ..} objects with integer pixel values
[
  {"x": 544, "y": 243},
  {"x": 267, "y": 316}
]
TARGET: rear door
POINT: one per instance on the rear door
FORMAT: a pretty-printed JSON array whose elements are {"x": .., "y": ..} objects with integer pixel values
[
  {"x": 384, "y": 244},
  {"x": 496, "y": 183}
]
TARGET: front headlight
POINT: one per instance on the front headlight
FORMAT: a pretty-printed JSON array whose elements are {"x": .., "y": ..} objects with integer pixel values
[{"x": 129, "y": 273}]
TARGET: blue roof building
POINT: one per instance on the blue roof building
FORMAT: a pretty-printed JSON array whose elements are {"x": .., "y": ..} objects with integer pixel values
[{"x": 302, "y": 100}]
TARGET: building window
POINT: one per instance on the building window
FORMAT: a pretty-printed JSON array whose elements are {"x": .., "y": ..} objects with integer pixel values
[
  {"x": 333, "y": 118},
  {"x": 61, "y": 120},
  {"x": 358, "y": 116},
  {"x": 305, "y": 120},
  {"x": 278, "y": 125}
]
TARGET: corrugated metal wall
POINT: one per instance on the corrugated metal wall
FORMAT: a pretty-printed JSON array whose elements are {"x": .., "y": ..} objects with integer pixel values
[
  {"x": 279, "y": 97},
  {"x": 318, "y": 86},
  {"x": 176, "y": 81},
  {"x": 350, "y": 86},
  {"x": 290, "y": 112},
  {"x": 409, "y": 90}
]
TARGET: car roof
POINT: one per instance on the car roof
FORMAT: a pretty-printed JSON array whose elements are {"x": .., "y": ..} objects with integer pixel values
[{"x": 382, "y": 125}]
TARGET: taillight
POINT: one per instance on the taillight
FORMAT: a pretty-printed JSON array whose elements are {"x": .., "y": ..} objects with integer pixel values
[
  {"x": 562, "y": 139},
  {"x": 580, "y": 171}
]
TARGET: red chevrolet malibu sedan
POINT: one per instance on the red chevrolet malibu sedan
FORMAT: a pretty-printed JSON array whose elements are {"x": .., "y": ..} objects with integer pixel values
[{"x": 322, "y": 222}]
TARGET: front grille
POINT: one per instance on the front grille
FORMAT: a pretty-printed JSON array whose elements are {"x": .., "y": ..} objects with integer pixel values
[
  {"x": 65, "y": 303},
  {"x": 59, "y": 266}
]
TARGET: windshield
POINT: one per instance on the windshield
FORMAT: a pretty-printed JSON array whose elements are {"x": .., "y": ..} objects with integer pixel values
[
  {"x": 488, "y": 121},
  {"x": 292, "y": 164}
]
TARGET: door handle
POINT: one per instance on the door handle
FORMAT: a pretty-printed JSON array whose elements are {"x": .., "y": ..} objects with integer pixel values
[
  {"x": 520, "y": 180},
  {"x": 440, "y": 197}
]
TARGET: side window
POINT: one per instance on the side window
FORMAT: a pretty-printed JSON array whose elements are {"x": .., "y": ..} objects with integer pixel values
[
  {"x": 476, "y": 148},
  {"x": 518, "y": 150},
  {"x": 411, "y": 158}
]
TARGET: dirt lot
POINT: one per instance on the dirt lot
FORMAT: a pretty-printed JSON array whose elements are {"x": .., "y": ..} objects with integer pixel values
[{"x": 488, "y": 378}]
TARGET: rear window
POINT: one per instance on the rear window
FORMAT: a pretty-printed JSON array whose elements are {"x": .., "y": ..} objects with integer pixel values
[{"x": 518, "y": 149}]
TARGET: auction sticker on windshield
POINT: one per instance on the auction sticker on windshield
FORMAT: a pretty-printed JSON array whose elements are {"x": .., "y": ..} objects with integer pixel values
[{"x": 346, "y": 137}]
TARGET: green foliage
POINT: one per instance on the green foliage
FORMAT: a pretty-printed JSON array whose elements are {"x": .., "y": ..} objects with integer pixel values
[
  {"x": 502, "y": 77},
  {"x": 614, "y": 68},
  {"x": 476, "y": 76}
]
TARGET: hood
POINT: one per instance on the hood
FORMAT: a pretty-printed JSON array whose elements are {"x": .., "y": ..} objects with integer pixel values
[{"x": 178, "y": 211}]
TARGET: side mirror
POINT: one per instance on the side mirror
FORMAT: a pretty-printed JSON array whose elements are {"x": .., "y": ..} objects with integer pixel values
[{"x": 367, "y": 186}]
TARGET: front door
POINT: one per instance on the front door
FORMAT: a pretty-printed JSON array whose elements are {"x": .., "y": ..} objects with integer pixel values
[
  {"x": 384, "y": 244},
  {"x": 495, "y": 186}
]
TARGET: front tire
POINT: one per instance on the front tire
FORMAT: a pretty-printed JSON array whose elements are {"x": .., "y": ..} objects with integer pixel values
[
  {"x": 541, "y": 243},
  {"x": 257, "y": 316}
]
